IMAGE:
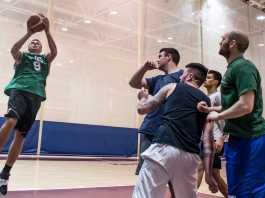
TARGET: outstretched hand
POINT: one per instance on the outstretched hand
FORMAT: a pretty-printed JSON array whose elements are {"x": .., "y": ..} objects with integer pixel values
[
  {"x": 143, "y": 93},
  {"x": 203, "y": 107},
  {"x": 150, "y": 65},
  {"x": 46, "y": 23}
]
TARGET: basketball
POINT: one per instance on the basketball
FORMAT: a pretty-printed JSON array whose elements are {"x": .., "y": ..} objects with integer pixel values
[{"x": 35, "y": 23}]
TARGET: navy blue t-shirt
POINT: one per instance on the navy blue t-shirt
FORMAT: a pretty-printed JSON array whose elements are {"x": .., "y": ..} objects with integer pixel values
[
  {"x": 182, "y": 123},
  {"x": 153, "y": 119}
]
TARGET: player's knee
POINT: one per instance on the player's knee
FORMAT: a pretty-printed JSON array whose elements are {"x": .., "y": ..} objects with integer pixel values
[
  {"x": 11, "y": 122},
  {"x": 200, "y": 172},
  {"x": 201, "y": 168},
  {"x": 19, "y": 137}
]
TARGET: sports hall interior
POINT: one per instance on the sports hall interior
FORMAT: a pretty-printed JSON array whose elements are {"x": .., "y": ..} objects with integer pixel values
[{"x": 84, "y": 142}]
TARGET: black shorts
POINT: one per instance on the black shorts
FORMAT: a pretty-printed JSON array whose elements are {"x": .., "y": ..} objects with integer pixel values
[
  {"x": 217, "y": 162},
  {"x": 24, "y": 107}
]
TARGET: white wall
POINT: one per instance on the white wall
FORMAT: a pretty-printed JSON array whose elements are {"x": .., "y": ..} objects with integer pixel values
[{"x": 89, "y": 79}]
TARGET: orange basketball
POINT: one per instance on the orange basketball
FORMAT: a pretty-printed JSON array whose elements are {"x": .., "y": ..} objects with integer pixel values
[{"x": 35, "y": 23}]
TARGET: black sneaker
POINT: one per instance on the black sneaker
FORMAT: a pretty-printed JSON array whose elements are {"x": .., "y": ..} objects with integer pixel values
[{"x": 3, "y": 183}]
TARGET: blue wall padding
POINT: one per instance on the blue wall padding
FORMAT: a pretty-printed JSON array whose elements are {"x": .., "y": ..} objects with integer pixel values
[
  {"x": 81, "y": 139},
  {"x": 61, "y": 138},
  {"x": 31, "y": 142}
]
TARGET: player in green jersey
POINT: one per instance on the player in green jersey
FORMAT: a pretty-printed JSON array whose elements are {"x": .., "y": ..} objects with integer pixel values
[{"x": 26, "y": 91}]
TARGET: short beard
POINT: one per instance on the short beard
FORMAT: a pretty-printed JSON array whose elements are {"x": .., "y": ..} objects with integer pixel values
[{"x": 225, "y": 51}]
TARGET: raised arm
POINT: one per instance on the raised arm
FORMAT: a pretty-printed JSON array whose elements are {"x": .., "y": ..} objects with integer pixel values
[
  {"x": 148, "y": 103},
  {"x": 53, "y": 49},
  {"x": 138, "y": 81},
  {"x": 15, "y": 50},
  {"x": 208, "y": 154}
]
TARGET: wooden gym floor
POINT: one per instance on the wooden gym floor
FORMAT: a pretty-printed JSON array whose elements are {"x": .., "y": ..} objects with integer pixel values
[{"x": 95, "y": 178}]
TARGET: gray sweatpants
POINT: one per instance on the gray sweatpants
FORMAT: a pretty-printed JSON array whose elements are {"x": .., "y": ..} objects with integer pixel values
[{"x": 164, "y": 163}]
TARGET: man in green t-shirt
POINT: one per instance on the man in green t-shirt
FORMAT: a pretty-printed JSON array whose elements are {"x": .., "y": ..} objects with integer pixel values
[
  {"x": 26, "y": 91},
  {"x": 242, "y": 108}
]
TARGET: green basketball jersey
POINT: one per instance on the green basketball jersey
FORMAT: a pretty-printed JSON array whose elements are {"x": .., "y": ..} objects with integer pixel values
[{"x": 30, "y": 75}]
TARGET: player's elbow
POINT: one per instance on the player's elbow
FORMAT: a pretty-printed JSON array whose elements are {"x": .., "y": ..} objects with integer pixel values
[
  {"x": 247, "y": 102},
  {"x": 131, "y": 84},
  {"x": 134, "y": 85},
  {"x": 14, "y": 52},
  {"x": 54, "y": 52},
  {"x": 142, "y": 110},
  {"x": 248, "y": 108}
]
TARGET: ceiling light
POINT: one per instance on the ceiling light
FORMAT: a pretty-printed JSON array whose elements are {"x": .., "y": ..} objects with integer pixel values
[
  {"x": 260, "y": 18},
  {"x": 222, "y": 26},
  {"x": 261, "y": 44},
  {"x": 169, "y": 38},
  {"x": 71, "y": 61},
  {"x": 87, "y": 21},
  {"x": 113, "y": 13},
  {"x": 65, "y": 29},
  {"x": 159, "y": 41}
]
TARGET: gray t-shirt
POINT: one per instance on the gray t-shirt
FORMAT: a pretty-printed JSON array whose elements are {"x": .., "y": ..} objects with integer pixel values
[{"x": 218, "y": 125}]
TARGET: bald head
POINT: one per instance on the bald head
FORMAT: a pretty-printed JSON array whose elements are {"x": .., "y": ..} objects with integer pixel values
[{"x": 241, "y": 40}]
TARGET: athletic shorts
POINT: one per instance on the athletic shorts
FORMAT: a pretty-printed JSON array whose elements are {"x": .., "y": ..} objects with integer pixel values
[
  {"x": 163, "y": 164},
  {"x": 24, "y": 107},
  {"x": 217, "y": 163},
  {"x": 245, "y": 167},
  {"x": 146, "y": 141}
]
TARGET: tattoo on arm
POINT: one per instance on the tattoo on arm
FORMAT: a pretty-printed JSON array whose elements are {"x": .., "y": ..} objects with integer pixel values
[
  {"x": 208, "y": 150},
  {"x": 208, "y": 143},
  {"x": 149, "y": 104}
]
